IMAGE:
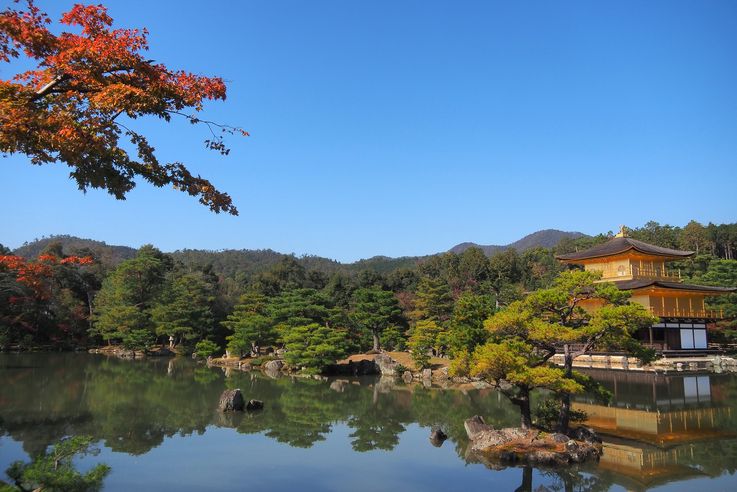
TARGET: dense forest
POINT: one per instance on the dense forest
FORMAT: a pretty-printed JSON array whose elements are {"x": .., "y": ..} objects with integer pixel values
[{"x": 69, "y": 294}]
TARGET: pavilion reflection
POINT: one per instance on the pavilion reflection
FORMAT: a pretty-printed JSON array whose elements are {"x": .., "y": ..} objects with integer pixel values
[{"x": 659, "y": 428}]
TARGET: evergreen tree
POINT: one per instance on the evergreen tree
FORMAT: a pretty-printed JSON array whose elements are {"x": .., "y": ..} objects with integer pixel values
[
  {"x": 434, "y": 301},
  {"x": 184, "y": 309},
  {"x": 124, "y": 302},
  {"x": 374, "y": 310},
  {"x": 250, "y": 324},
  {"x": 466, "y": 328},
  {"x": 313, "y": 347}
]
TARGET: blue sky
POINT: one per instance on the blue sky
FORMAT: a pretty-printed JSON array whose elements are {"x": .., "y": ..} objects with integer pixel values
[{"x": 406, "y": 127}]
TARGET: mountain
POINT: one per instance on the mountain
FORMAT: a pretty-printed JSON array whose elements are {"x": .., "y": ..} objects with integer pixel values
[
  {"x": 547, "y": 238},
  {"x": 247, "y": 262},
  {"x": 71, "y": 245}
]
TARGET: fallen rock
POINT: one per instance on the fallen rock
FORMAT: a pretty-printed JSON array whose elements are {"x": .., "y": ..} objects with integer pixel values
[
  {"x": 427, "y": 374},
  {"x": 254, "y": 405},
  {"x": 231, "y": 401}
]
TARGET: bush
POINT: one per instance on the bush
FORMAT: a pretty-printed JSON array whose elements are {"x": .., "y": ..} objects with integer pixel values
[
  {"x": 140, "y": 339},
  {"x": 206, "y": 348}
]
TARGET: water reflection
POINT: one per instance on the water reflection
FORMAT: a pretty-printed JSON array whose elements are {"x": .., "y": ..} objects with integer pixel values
[{"x": 657, "y": 429}]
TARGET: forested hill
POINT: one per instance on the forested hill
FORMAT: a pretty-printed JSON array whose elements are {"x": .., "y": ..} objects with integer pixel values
[
  {"x": 248, "y": 262},
  {"x": 547, "y": 238},
  {"x": 106, "y": 253}
]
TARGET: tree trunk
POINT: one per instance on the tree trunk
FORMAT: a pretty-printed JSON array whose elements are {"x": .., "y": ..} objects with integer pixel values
[
  {"x": 526, "y": 485},
  {"x": 564, "y": 417},
  {"x": 523, "y": 402},
  {"x": 375, "y": 335}
]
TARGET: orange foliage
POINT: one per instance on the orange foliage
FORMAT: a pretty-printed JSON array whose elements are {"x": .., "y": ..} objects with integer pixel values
[
  {"x": 36, "y": 274},
  {"x": 67, "y": 108}
]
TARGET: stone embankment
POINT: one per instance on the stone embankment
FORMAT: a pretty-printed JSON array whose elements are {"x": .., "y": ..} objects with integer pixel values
[
  {"x": 381, "y": 364},
  {"x": 123, "y": 353},
  {"x": 711, "y": 363},
  {"x": 501, "y": 447}
]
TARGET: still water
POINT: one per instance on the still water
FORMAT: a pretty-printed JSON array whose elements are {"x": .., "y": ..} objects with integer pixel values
[{"x": 156, "y": 423}]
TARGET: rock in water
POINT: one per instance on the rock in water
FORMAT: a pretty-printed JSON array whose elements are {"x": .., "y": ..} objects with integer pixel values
[
  {"x": 274, "y": 365},
  {"x": 254, "y": 405},
  {"x": 386, "y": 365},
  {"x": 475, "y": 426},
  {"x": 437, "y": 437},
  {"x": 585, "y": 434},
  {"x": 231, "y": 401},
  {"x": 407, "y": 377}
]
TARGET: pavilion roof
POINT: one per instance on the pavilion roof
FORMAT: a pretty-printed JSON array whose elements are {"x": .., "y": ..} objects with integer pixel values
[
  {"x": 620, "y": 244},
  {"x": 641, "y": 283}
]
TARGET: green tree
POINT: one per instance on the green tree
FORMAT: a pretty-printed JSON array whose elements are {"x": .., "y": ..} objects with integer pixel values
[
  {"x": 54, "y": 470},
  {"x": 250, "y": 324},
  {"x": 313, "y": 347},
  {"x": 694, "y": 237},
  {"x": 516, "y": 368},
  {"x": 128, "y": 294},
  {"x": 434, "y": 300},
  {"x": 466, "y": 328},
  {"x": 374, "y": 310},
  {"x": 425, "y": 339},
  {"x": 206, "y": 348},
  {"x": 722, "y": 273},
  {"x": 555, "y": 317},
  {"x": 184, "y": 309}
]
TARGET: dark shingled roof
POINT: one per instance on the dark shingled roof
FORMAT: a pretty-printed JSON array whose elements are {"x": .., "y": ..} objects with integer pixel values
[
  {"x": 638, "y": 284},
  {"x": 620, "y": 245}
]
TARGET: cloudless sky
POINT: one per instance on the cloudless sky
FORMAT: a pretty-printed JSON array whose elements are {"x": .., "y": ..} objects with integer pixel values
[{"x": 405, "y": 127}]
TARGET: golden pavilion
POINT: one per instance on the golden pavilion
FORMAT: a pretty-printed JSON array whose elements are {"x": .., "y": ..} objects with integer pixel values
[{"x": 642, "y": 268}]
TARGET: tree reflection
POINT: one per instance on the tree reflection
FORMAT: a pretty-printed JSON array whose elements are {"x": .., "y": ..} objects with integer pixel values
[{"x": 133, "y": 406}]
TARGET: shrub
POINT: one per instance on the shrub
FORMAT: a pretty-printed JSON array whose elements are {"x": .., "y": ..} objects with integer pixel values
[{"x": 206, "y": 348}]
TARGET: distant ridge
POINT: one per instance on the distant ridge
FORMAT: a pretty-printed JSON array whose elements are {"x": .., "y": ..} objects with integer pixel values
[
  {"x": 250, "y": 261},
  {"x": 547, "y": 238}
]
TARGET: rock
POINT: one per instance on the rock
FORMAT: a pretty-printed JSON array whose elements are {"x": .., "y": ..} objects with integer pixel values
[
  {"x": 558, "y": 437},
  {"x": 427, "y": 374},
  {"x": 437, "y": 437},
  {"x": 475, "y": 426},
  {"x": 407, "y": 377},
  {"x": 253, "y": 405},
  {"x": 441, "y": 374},
  {"x": 274, "y": 365},
  {"x": 481, "y": 385},
  {"x": 585, "y": 434},
  {"x": 571, "y": 445},
  {"x": 338, "y": 385},
  {"x": 386, "y": 365},
  {"x": 231, "y": 401},
  {"x": 280, "y": 352}
]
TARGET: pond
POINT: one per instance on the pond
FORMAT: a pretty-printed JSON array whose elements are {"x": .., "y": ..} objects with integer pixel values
[{"x": 156, "y": 423}]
